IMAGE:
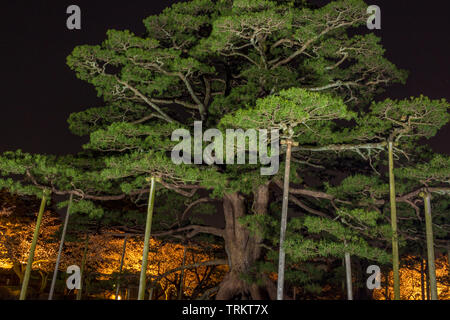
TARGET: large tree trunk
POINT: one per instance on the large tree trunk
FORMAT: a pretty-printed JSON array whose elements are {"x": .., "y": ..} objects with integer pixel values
[{"x": 243, "y": 249}]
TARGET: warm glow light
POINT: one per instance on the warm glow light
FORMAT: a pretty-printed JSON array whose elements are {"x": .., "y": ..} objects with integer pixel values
[
  {"x": 5, "y": 265},
  {"x": 411, "y": 282},
  {"x": 104, "y": 255}
]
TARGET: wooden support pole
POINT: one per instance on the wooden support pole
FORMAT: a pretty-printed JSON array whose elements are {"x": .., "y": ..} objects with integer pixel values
[
  {"x": 26, "y": 279},
  {"x": 284, "y": 210},
  {"x": 121, "y": 266},
  {"x": 180, "y": 293},
  {"x": 148, "y": 228},
  {"x": 83, "y": 265},
  {"x": 348, "y": 276},
  {"x": 395, "y": 254},
  {"x": 61, "y": 245},
  {"x": 430, "y": 246}
]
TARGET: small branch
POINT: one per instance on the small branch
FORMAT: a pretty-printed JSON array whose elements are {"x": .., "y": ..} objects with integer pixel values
[
  {"x": 196, "y": 202},
  {"x": 305, "y": 207},
  {"x": 208, "y": 293},
  {"x": 146, "y": 118}
]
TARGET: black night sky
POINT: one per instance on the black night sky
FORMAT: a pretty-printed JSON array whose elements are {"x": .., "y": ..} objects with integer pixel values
[{"x": 39, "y": 91}]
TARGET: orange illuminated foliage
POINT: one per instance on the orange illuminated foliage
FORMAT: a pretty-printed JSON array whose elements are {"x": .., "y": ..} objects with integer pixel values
[
  {"x": 16, "y": 235},
  {"x": 411, "y": 281},
  {"x": 103, "y": 255}
]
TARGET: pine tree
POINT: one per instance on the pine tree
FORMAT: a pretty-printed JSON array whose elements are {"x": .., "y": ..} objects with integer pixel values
[{"x": 233, "y": 64}]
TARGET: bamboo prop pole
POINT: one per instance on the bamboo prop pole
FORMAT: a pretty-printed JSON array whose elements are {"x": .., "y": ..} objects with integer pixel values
[
  {"x": 148, "y": 228},
  {"x": 348, "y": 275},
  {"x": 26, "y": 279},
  {"x": 284, "y": 210},
  {"x": 61, "y": 245},
  {"x": 386, "y": 286},
  {"x": 180, "y": 293},
  {"x": 121, "y": 266},
  {"x": 430, "y": 245},
  {"x": 343, "y": 280},
  {"x": 448, "y": 258},
  {"x": 83, "y": 264},
  {"x": 150, "y": 295},
  {"x": 422, "y": 278},
  {"x": 395, "y": 255}
]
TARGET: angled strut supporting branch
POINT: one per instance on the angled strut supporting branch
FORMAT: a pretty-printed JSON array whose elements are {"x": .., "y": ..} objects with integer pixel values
[
  {"x": 121, "y": 266},
  {"x": 148, "y": 228},
  {"x": 26, "y": 278},
  {"x": 395, "y": 254},
  {"x": 61, "y": 245},
  {"x": 83, "y": 266},
  {"x": 430, "y": 245},
  {"x": 284, "y": 210},
  {"x": 348, "y": 276}
]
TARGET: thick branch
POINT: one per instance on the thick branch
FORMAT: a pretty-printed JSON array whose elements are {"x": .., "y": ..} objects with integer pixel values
[
  {"x": 193, "y": 231},
  {"x": 146, "y": 118},
  {"x": 175, "y": 101},
  {"x": 342, "y": 147},
  {"x": 379, "y": 202},
  {"x": 304, "y": 192},
  {"x": 81, "y": 194},
  {"x": 146, "y": 100},
  {"x": 191, "y": 266},
  {"x": 201, "y": 106}
]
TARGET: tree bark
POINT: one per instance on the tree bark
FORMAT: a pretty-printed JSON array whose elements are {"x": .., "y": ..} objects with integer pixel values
[{"x": 243, "y": 249}]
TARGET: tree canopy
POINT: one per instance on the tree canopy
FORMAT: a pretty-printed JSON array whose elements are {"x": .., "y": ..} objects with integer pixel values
[{"x": 309, "y": 72}]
